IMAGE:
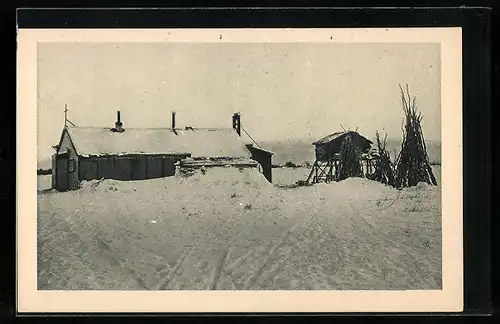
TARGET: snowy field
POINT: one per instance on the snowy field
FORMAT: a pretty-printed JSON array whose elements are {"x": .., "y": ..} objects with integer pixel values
[{"x": 233, "y": 230}]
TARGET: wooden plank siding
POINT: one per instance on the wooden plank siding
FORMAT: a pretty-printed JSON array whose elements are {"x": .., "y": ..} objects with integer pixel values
[
  {"x": 105, "y": 167},
  {"x": 123, "y": 168},
  {"x": 128, "y": 167},
  {"x": 54, "y": 172},
  {"x": 168, "y": 167},
  {"x": 87, "y": 169},
  {"x": 138, "y": 168},
  {"x": 153, "y": 167},
  {"x": 328, "y": 151}
]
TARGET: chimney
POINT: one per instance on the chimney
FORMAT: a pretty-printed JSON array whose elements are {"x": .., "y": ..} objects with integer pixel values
[
  {"x": 118, "y": 124},
  {"x": 173, "y": 119},
  {"x": 237, "y": 123}
]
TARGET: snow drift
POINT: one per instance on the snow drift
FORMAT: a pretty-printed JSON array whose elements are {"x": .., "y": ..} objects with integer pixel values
[{"x": 231, "y": 229}]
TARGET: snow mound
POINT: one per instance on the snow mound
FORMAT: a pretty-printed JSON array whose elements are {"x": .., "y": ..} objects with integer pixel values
[
  {"x": 356, "y": 183},
  {"x": 89, "y": 185},
  {"x": 111, "y": 185},
  {"x": 227, "y": 178},
  {"x": 421, "y": 186},
  {"x": 102, "y": 185}
]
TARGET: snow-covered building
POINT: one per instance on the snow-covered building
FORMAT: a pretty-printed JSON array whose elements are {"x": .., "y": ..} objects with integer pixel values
[
  {"x": 328, "y": 148},
  {"x": 329, "y": 163},
  {"x": 86, "y": 153}
]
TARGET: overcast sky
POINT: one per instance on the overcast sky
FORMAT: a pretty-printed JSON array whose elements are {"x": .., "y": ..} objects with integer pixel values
[{"x": 283, "y": 91}]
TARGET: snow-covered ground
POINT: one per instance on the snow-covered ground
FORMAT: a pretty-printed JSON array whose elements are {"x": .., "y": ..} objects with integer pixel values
[
  {"x": 289, "y": 176},
  {"x": 44, "y": 182},
  {"x": 231, "y": 229}
]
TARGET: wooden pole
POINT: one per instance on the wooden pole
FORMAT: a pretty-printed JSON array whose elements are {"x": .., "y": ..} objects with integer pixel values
[
  {"x": 65, "y": 115},
  {"x": 330, "y": 171},
  {"x": 312, "y": 172},
  {"x": 324, "y": 172},
  {"x": 316, "y": 173}
]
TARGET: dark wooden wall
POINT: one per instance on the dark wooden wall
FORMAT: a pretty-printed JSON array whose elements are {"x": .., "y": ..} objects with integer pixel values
[
  {"x": 54, "y": 172},
  {"x": 66, "y": 166},
  {"x": 326, "y": 151},
  {"x": 63, "y": 175},
  {"x": 265, "y": 160},
  {"x": 128, "y": 167}
]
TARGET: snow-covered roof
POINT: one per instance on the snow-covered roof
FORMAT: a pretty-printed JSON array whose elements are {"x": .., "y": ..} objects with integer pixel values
[
  {"x": 328, "y": 138},
  {"x": 220, "y": 142},
  {"x": 336, "y": 136},
  {"x": 251, "y": 146},
  {"x": 247, "y": 162}
]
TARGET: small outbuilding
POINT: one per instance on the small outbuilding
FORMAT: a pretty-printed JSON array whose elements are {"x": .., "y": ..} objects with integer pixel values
[
  {"x": 86, "y": 153},
  {"x": 329, "y": 165},
  {"x": 328, "y": 148}
]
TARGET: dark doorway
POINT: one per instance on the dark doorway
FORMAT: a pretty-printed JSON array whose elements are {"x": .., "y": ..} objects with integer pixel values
[{"x": 62, "y": 175}]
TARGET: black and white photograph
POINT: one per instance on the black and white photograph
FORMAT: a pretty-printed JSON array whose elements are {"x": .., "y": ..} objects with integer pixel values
[{"x": 239, "y": 166}]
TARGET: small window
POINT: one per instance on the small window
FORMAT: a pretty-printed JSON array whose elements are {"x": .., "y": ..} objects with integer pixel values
[{"x": 71, "y": 166}]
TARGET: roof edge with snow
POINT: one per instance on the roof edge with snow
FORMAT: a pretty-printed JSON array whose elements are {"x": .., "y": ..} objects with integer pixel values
[{"x": 196, "y": 142}]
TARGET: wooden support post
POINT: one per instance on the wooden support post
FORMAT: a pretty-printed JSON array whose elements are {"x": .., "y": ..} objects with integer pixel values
[
  {"x": 316, "y": 173},
  {"x": 330, "y": 172},
  {"x": 65, "y": 115},
  {"x": 337, "y": 166},
  {"x": 322, "y": 173},
  {"x": 312, "y": 172}
]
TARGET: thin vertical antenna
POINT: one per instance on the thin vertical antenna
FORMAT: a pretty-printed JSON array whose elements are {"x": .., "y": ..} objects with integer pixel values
[{"x": 65, "y": 115}]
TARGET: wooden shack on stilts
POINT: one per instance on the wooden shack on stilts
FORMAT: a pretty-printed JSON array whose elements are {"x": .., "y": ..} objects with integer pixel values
[{"x": 339, "y": 156}]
